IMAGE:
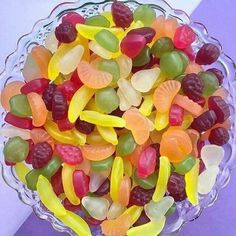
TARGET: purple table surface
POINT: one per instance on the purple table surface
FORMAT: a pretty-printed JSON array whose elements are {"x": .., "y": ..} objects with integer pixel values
[{"x": 218, "y": 220}]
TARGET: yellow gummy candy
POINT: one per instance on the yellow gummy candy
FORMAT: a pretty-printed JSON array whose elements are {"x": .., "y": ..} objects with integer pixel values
[
  {"x": 92, "y": 106},
  {"x": 80, "y": 137},
  {"x": 188, "y": 119},
  {"x": 97, "y": 118},
  {"x": 162, "y": 77},
  {"x": 89, "y": 32},
  {"x": 78, "y": 102},
  {"x": 147, "y": 105},
  {"x": 95, "y": 139},
  {"x": 153, "y": 228},
  {"x": 161, "y": 121},
  {"x": 191, "y": 179},
  {"x": 109, "y": 17},
  {"x": 76, "y": 223},
  {"x": 162, "y": 181},
  {"x": 116, "y": 177},
  {"x": 134, "y": 212},
  {"x": 48, "y": 197},
  {"x": 109, "y": 134},
  {"x": 21, "y": 171},
  {"x": 128, "y": 168},
  {"x": 99, "y": 50},
  {"x": 67, "y": 181}
]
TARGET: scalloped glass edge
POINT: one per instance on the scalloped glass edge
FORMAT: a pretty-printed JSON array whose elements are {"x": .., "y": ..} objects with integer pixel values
[{"x": 13, "y": 66}]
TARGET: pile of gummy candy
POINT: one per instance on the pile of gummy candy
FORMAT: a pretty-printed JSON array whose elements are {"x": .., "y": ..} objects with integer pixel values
[{"x": 118, "y": 119}]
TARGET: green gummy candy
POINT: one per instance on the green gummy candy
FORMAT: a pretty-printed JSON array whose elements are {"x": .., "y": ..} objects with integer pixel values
[
  {"x": 32, "y": 179},
  {"x": 146, "y": 14},
  {"x": 162, "y": 46},
  {"x": 147, "y": 183},
  {"x": 126, "y": 144},
  {"x": 143, "y": 58},
  {"x": 185, "y": 166},
  {"x": 103, "y": 165},
  {"x": 52, "y": 167},
  {"x": 98, "y": 20},
  {"x": 19, "y": 106}
]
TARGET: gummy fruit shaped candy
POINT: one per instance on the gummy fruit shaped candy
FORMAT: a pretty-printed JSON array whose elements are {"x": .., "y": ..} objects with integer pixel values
[
  {"x": 40, "y": 135},
  {"x": 145, "y": 14},
  {"x": 164, "y": 95},
  {"x": 93, "y": 78},
  {"x": 103, "y": 165},
  {"x": 147, "y": 32},
  {"x": 176, "y": 115},
  {"x": 115, "y": 211},
  {"x": 143, "y": 58},
  {"x": 11, "y": 132},
  {"x": 73, "y": 18},
  {"x": 185, "y": 166},
  {"x": 97, "y": 180},
  {"x": 162, "y": 46},
  {"x": 126, "y": 144},
  {"x": 219, "y": 136},
  {"x": 124, "y": 191},
  {"x": 37, "y": 86},
  {"x": 172, "y": 139},
  {"x": 51, "y": 42},
  {"x": 98, "y": 20}
]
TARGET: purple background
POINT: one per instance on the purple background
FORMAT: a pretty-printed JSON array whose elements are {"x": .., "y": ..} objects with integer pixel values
[{"x": 220, "y": 20}]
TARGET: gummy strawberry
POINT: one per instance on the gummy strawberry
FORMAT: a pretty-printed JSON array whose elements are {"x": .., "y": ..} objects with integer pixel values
[
  {"x": 48, "y": 95},
  {"x": 121, "y": 14},
  {"x": 66, "y": 32},
  {"x": 140, "y": 196},
  {"x": 41, "y": 155},
  {"x": 69, "y": 154},
  {"x": 219, "y": 136},
  {"x": 59, "y": 106}
]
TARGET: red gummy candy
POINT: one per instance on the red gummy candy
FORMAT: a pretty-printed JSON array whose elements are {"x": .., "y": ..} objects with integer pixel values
[
  {"x": 147, "y": 32},
  {"x": 69, "y": 154},
  {"x": 104, "y": 188},
  {"x": 29, "y": 158},
  {"x": 70, "y": 207},
  {"x": 68, "y": 88},
  {"x": 66, "y": 32},
  {"x": 76, "y": 80},
  {"x": 56, "y": 182},
  {"x": 37, "y": 86},
  {"x": 65, "y": 125},
  {"x": 59, "y": 106},
  {"x": 81, "y": 183},
  {"x": 132, "y": 45},
  {"x": 23, "y": 123},
  {"x": 73, "y": 18},
  {"x": 219, "y": 136},
  {"x": 190, "y": 53},
  {"x": 176, "y": 115},
  {"x": 140, "y": 196}
]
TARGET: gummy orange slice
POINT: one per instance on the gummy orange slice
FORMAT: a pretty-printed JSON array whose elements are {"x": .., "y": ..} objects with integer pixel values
[
  {"x": 97, "y": 152},
  {"x": 194, "y": 136},
  {"x": 92, "y": 77},
  {"x": 117, "y": 227},
  {"x": 193, "y": 68},
  {"x": 176, "y": 145},
  {"x": 170, "y": 27},
  {"x": 188, "y": 105},
  {"x": 39, "y": 135},
  {"x": 164, "y": 95},
  {"x": 138, "y": 124},
  {"x": 124, "y": 191},
  {"x": 159, "y": 26}
]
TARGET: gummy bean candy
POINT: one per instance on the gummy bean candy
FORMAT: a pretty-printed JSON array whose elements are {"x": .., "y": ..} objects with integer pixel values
[
  {"x": 207, "y": 179},
  {"x": 152, "y": 228},
  {"x": 147, "y": 105},
  {"x": 107, "y": 100},
  {"x": 156, "y": 210},
  {"x": 37, "y": 86},
  {"x": 99, "y": 50},
  {"x": 95, "y": 138},
  {"x": 116, "y": 177},
  {"x": 16, "y": 150},
  {"x": 125, "y": 65},
  {"x": 81, "y": 183},
  {"x": 98, "y": 20},
  {"x": 124, "y": 191},
  {"x": 11, "y": 132},
  {"x": 21, "y": 171},
  {"x": 212, "y": 155},
  {"x": 144, "y": 80},
  {"x": 162, "y": 46},
  {"x": 97, "y": 152},
  {"x": 109, "y": 134},
  {"x": 96, "y": 207},
  {"x": 126, "y": 145},
  {"x": 161, "y": 121},
  {"x": 39, "y": 110},
  {"x": 51, "y": 42},
  {"x": 163, "y": 177},
  {"x": 97, "y": 118},
  {"x": 67, "y": 180},
  {"x": 164, "y": 95},
  {"x": 98, "y": 166},
  {"x": 146, "y": 14},
  {"x": 52, "y": 167},
  {"x": 185, "y": 166},
  {"x": 143, "y": 58},
  {"x": 145, "y": 183},
  {"x": 78, "y": 102},
  {"x": 110, "y": 66},
  {"x": 19, "y": 106},
  {"x": 115, "y": 211},
  {"x": 191, "y": 179}
]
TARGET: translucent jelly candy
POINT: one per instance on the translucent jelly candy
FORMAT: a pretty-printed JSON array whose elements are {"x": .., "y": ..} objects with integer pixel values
[
  {"x": 162, "y": 46},
  {"x": 171, "y": 25},
  {"x": 147, "y": 32},
  {"x": 24, "y": 123},
  {"x": 95, "y": 139},
  {"x": 144, "y": 80},
  {"x": 152, "y": 228},
  {"x": 128, "y": 95},
  {"x": 156, "y": 210},
  {"x": 145, "y": 183},
  {"x": 115, "y": 211},
  {"x": 124, "y": 191},
  {"x": 11, "y": 132},
  {"x": 109, "y": 227},
  {"x": 161, "y": 121},
  {"x": 109, "y": 134},
  {"x": 207, "y": 179},
  {"x": 126, "y": 145},
  {"x": 52, "y": 167},
  {"x": 132, "y": 45},
  {"x": 107, "y": 40},
  {"x": 21, "y": 170},
  {"x": 212, "y": 155},
  {"x": 103, "y": 165},
  {"x": 99, "y": 51},
  {"x": 19, "y": 106},
  {"x": 147, "y": 105},
  {"x": 107, "y": 100},
  {"x": 138, "y": 125},
  {"x": 16, "y": 150},
  {"x": 37, "y": 86},
  {"x": 188, "y": 105},
  {"x": 162, "y": 181},
  {"x": 143, "y": 58},
  {"x": 97, "y": 179},
  {"x": 147, "y": 162},
  {"x": 39, "y": 110},
  {"x": 48, "y": 197},
  {"x": 145, "y": 14},
  {"x": 98, "y": 20},
  {"x": 93, "y": 78},
  {"x": 78, "y": 102},
  {"x": 193, "y": 68},
  {"x": 40, "y": 135},
  {"x": 185, "y": 166},
  {"x": 51, "y": 42},
  {"x": 221, "y": 92},
  {"x": 110, "y": 66},
  {"x": 116, "y": 177},
  {"x": 176, "y": 115},
  {"x": 172, "y": 139},
  {"x": 164, "y": 95},
  {"x": 191, "y": 179},
  {"x": 97, "y": 152},
  {"x": 171, "y": 64},
  {"x": 125, "y": 66}
]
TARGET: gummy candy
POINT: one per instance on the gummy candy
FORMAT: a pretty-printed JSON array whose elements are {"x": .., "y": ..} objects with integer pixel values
[
  {"x": 145, "y": 14},
  {"x": 98, "y": 20},
  {"x": 109, "y": 134},
  {"x": 124, "y": 191},
  {"x": 126, "y": 144},
  {"x": 115, "y": 211}
]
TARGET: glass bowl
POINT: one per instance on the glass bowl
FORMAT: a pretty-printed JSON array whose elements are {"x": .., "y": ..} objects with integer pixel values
[{"x": 13, "y": 68}]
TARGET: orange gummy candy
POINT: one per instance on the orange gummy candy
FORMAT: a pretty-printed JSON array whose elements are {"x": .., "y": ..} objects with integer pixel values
[
  {"x": 164, "y": 95},
  {"x": 194, "y": 136},
  {"x": 221, "y": 92},
  {"x": 92, "y": 77},
  {"x": 9, "y": 91},
  {"x": 193, "y": 68},
  {"x": 159, "y": 26},
  {"x": 97, "y": 152},
  {"x": 85, "y": 166},
  {"x": 176, "y": 145},
  {"x": 124, "y": 191},
  {"x": 170, "y": 27}
]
